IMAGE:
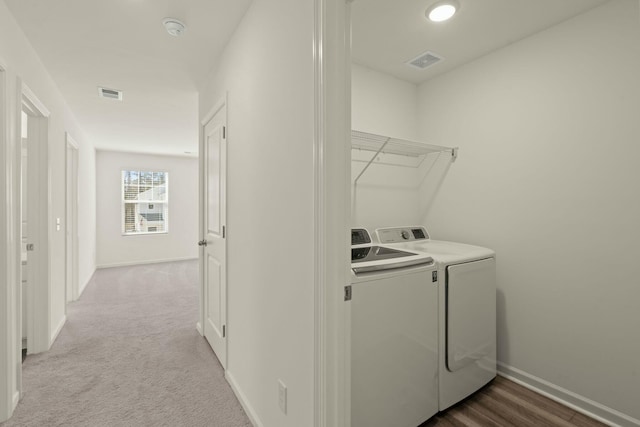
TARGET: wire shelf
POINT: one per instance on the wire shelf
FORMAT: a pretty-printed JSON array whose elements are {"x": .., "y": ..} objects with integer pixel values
[
  {"x": 379, "y": 144},
  {"x": 387, "y": 145}
]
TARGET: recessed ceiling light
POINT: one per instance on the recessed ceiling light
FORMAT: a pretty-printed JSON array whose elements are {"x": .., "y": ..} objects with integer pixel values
[
  {"x": 441, "y": 11},
  {"x": 174, "y": 26}
]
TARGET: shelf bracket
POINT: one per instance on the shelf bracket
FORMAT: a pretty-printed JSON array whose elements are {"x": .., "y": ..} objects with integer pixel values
[{"x": 371, "y": 161}]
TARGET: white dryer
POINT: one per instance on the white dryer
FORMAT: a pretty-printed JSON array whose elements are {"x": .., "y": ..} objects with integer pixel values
[{"x": 466, "y": 277}]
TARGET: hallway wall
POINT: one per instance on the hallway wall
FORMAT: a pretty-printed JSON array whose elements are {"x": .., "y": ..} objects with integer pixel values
[
  {"x": 86, "y": 216},
  {"x": 21, "y": 62},
  {"x": 267, "y": 71},
  {"x": 178, "y": 243}
]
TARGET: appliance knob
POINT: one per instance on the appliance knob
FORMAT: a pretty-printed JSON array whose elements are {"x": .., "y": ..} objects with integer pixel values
[{"x": 405, "y": 234}]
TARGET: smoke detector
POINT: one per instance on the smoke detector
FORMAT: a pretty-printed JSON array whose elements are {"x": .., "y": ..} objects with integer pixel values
[{"x": 174, "y": 26}]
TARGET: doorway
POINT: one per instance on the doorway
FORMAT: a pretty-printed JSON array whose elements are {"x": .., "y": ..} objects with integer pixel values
[
  {"x": 24, "y": 185},
  {"x": 34, "y": 251},
  {"x": 71, "y": 220},
  {"x": 213, "y": 229}
]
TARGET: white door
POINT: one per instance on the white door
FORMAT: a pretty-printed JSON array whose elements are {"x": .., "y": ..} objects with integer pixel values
[{"x": 213, "y": 243}]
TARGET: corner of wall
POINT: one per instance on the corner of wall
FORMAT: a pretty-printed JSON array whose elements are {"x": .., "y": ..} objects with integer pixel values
[
  {"x": 567, "y": 398},
  {"x": 86, "y": 281}
]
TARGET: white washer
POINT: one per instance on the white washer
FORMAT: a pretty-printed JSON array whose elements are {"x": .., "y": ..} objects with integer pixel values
[
  {"x": 467, "y": 309},
  {"x": 392, "y": 316}
]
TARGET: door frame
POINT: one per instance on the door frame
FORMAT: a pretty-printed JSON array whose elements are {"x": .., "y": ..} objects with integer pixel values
[
  {"x": 38, "y": 265},
  {"x": 221, "y": 103},
  {"x": 9, "y": 323},
  {"x": 332, "y": 195},
  {"x": 71, "y": 219}
]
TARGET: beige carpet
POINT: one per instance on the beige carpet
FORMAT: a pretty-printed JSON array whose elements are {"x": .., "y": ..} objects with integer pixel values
[{"x": 129, "y": 355}]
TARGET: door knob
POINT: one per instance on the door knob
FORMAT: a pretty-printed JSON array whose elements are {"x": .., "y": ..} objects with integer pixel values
[{"x": 202, "y": 243}]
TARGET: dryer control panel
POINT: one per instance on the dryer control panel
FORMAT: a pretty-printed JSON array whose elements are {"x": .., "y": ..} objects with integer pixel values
[{"x": 402, "y": 234}]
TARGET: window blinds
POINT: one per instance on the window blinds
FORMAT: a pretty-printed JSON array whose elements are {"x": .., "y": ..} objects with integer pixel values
[{"x": 145, "y": 202}]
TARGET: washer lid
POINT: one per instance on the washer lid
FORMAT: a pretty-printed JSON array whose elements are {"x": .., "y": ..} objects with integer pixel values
[{"x": 371, "y": 259}]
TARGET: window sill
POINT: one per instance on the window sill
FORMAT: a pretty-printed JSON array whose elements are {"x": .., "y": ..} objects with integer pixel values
[{"x": 152, "y": 233}]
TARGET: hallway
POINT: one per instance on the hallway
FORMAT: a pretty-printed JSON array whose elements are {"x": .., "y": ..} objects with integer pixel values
[{"x": 130, "y": 355}]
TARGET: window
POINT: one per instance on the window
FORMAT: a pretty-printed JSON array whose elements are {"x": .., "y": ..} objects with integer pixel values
[{"x": 145, "y": 202}]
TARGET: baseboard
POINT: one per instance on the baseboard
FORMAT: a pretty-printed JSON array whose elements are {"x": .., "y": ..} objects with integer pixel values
[
  {"x": 83, "y": 287},
  {"x": 199, "y": 329},
  {"x": 86, "y": 283},
  {"x": 243, "y": 400},
  {"x": 56, "y": 332},
  {"x": 143, "y": 262},
  {"x": 16, "y": 400},
  {"x": 568, "y": 398}
]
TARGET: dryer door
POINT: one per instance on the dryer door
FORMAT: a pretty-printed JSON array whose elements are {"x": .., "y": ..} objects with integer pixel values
[{"x": 471, "y": 313}]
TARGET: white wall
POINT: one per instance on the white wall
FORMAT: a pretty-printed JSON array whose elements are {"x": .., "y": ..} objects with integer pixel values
[
  {"x": 86, "y": 215},
  {"x": 268, "y": 72},
  {"x": 381, "y": 104},
  {"x": 548, "y": 176},
  {"x": 22, "y": 62},
  {"x": 180, "y": 242}
]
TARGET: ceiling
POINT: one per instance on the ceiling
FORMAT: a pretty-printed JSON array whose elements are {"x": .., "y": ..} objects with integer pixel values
[
  {"x": 122, "y": 44},
  {"x": 388, "y": 33}
]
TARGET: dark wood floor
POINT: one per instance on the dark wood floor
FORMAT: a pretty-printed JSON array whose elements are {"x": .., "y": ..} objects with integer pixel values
[{"x": 505, "y": 403}]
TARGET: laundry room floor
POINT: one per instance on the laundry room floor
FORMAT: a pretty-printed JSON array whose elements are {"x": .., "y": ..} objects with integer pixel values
[{"x": 505, "y": 403}]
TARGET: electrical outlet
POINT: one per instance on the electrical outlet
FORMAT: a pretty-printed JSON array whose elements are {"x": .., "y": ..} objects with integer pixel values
[{"x": 282, "y": 396}]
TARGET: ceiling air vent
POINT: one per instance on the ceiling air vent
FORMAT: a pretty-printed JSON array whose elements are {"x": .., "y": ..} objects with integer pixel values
[
  {"x": 110, "y": 93},
  {"x": 425, "y": 60}
]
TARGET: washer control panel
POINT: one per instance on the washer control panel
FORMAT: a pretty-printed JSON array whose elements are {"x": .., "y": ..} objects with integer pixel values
[
  {"x": 402, "y": 234},
  {"x": 360, "y": 236}
]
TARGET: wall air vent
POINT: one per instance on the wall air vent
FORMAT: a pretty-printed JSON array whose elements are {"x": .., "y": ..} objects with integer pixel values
[
  {"x": 110, "y": 93},
  {"x": 425, "y": 60}
]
